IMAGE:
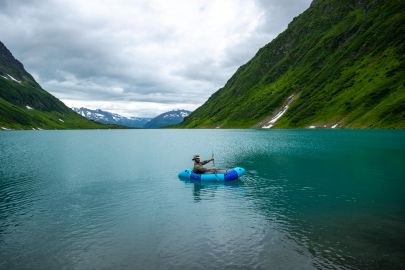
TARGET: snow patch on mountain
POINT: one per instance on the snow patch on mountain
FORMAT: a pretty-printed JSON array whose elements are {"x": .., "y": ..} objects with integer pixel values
[
  {"x": 14, "y": 79},
  {"x": 276, "y": 117},
  {"x": 168, "y": 119},
  {"x": 280, "y": 113}
]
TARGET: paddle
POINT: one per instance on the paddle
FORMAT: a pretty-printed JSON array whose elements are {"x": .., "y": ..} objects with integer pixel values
[
  {"x": 215, "y": 167},
  {"x": 213, "y": 163},
  {"x": 213, "y": 160}
]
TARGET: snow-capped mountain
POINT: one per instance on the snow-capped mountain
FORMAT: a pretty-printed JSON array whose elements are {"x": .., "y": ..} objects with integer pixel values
[
  {"x": 167, "y": 119},
  {"x": 112, "y": 118}
]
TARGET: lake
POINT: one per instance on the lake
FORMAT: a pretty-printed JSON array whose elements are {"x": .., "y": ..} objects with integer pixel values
[{"x": 111, "y": 199}]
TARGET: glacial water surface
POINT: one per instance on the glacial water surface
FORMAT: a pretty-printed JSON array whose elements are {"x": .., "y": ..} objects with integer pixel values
[{"x": 111, "y": 199}]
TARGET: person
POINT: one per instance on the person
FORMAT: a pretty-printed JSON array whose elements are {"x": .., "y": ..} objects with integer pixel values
[{"x": 198, "y": 165}]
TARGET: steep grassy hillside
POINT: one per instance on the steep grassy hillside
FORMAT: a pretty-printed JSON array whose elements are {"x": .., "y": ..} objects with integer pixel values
[
  {"x": 25, "y": 105},
  {"x": 341, "y": 62}
]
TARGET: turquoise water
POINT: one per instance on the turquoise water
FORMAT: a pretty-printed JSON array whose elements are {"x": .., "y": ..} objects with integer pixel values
[{"x": 111, "y": 199}]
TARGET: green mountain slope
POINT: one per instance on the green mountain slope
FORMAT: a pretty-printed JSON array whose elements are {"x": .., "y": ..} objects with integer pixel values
[
  {"x": 25, "y": 105},
  {"x": 341, "y": 62}
]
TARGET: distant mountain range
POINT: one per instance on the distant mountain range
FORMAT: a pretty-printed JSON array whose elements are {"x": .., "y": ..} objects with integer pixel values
[
  {"x": 105, "y": 117},
  {"x": 162, "y": 120},
  {"x": 25, "y": 105},
  {"x": 167, "y": 119},
  {"x": 341, "y": 63}
]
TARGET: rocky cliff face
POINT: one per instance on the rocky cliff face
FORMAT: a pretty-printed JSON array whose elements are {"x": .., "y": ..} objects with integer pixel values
[{"x": 10, "y": 65}]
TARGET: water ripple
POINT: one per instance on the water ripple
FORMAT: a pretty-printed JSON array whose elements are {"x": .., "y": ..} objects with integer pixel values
[{"x": 112, "y": 200}]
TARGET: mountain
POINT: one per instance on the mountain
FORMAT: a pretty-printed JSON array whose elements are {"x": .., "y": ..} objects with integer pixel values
[
  {"x": 25, "y": 105},
  {"x": 162, "y": 120},
  {"x": 339, "y": 64},
  {"x": 167, "y": 119},
  {"x": 112, "y": 118}
]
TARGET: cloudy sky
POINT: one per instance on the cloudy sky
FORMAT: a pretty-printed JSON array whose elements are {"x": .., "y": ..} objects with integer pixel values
[{"x": 139, "y": 57}]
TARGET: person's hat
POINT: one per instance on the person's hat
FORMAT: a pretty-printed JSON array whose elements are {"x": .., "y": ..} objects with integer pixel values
[{"x": 195, "y": 157}]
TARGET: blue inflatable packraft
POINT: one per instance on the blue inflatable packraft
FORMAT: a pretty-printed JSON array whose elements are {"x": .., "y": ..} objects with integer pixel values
[{"x": 220, "y": 175}]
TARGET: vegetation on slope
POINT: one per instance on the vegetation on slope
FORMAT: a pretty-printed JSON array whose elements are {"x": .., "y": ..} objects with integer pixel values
[
  {"x": 342, "y": 60},
  {"x": 25, "y": 105},
  {"x": 19, "y": 117}
]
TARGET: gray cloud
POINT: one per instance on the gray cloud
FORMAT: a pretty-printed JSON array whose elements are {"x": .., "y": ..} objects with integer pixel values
[{"x": 161, "y": 53}]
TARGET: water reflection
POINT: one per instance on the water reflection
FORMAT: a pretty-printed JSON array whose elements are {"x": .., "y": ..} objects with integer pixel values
[
  {"x": 207, "y": 190},
  {"x": 309, "y": 200}
]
